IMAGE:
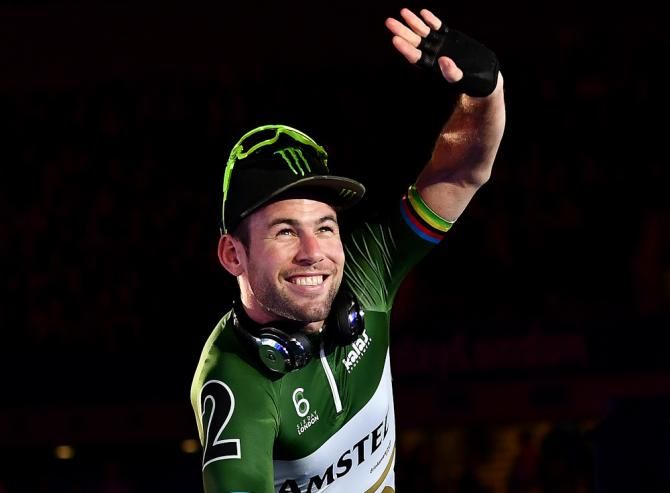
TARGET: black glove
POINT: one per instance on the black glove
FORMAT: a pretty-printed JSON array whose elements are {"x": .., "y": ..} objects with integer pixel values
[{"x": 478, "y": 63}]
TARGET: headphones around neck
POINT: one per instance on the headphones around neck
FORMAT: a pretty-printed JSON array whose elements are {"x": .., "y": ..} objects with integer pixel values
[{"x": 282, "y": 351}]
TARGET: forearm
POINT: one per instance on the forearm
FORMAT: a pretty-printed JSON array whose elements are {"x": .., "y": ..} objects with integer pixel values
[{"x": 464, "y": 152}]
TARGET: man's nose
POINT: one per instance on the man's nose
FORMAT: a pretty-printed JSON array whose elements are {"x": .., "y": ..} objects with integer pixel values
[{"x": 310, "y": 250}]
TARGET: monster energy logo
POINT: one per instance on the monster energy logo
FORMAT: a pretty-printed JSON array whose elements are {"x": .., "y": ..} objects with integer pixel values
[{"x": 295, "y": 160}]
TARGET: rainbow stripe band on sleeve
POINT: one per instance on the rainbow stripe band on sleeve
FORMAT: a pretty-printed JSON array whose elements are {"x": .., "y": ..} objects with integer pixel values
[{"x": 421, "y": 219}]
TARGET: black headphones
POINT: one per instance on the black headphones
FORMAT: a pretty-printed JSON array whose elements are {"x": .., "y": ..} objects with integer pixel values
[{"x": 283, "y": 350}]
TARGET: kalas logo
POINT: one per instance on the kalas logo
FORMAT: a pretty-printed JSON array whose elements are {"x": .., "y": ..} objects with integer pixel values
[{"x": 359, "y": 346}]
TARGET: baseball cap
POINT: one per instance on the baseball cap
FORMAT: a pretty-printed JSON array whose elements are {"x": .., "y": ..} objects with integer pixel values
[{"x": 272, "y": 160}]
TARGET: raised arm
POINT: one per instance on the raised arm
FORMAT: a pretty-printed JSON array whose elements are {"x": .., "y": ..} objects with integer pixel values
[{"x": 467, "y": 145}]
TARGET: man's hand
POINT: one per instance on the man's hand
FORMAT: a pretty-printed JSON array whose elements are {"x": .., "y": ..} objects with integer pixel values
[{"x": 462, "y": 61}]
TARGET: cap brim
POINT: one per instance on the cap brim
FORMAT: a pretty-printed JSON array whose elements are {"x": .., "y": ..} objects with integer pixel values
[{"x": 341, "y": 192}]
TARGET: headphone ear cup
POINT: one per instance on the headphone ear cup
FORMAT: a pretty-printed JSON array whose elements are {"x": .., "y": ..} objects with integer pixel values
[
  {"x": 282, "y": 352},
  {"x": 345, "y": 323},
  {"x": 279, "y": 351}
]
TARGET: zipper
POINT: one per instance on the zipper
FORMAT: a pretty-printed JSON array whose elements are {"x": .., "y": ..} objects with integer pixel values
[{"x": 331, "y": 380}]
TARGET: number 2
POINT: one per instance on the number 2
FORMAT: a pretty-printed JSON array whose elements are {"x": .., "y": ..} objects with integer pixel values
[{"x": 222, "y": 401}]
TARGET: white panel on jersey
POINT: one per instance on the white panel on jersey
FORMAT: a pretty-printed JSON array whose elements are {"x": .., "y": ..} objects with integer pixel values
[{"x": 355, "y": 458}]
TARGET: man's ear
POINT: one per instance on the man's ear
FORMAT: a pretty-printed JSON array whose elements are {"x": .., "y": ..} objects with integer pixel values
[{"x": 231, "y": 254}]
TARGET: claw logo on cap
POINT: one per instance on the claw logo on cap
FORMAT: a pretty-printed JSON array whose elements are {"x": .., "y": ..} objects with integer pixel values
[{"x": 295, "y": 160}]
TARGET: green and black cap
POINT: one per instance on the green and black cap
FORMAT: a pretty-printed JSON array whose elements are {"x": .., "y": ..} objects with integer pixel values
[{"x": 272, "y": 161}]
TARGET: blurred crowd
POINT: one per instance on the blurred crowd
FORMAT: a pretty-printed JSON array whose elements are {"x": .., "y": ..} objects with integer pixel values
[
  {"x": 110, "y": 195},
  {"x": 533, "y": 457}
]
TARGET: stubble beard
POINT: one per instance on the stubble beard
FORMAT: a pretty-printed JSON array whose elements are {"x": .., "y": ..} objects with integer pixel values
[{"x": 284, "y": 306}]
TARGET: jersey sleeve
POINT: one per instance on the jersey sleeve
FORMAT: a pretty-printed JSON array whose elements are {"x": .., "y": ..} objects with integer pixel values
[
  {"x": 237, "y": 428},
  {"x": 381, "y": 253}
]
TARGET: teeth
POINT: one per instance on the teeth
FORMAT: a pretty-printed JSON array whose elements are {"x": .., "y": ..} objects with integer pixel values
[{"x": 308, "y": 281}]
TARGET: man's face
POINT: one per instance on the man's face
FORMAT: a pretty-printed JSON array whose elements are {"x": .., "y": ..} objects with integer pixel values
[{"x": 294, "y": 263}]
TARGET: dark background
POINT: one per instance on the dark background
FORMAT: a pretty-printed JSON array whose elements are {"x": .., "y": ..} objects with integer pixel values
[{"x": 544, "y": 311}]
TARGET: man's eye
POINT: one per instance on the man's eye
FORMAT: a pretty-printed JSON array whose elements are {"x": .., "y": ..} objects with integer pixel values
[
  {"x": 326, "y": 229},
  {"x": 285, "y": 232}
]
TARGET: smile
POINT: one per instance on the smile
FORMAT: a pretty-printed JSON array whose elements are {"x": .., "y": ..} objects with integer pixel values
[{"x": 307, "y": 280}]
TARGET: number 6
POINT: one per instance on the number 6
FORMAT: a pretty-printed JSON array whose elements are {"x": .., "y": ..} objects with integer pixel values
[{"x": 301, "y": 404}]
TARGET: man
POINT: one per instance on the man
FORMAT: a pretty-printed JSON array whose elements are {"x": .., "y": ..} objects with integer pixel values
[{"x": 293, "y": 389}]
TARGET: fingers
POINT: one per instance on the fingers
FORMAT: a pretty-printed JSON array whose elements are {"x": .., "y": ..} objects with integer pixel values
[
  {"x": 406, "y": 49},
  {"x": 417, "y": 25},
  {"x": 418, "y": 28},
  {"x": 407, "y": 39},
  {"x": 431, "y": 19},
  {"x": 449, "y": 69},
  {"x": 401, "y": 30}
]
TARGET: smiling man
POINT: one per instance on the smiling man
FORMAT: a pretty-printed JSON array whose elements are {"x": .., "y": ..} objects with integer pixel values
[
  {"x": 303, "y": 261},
  {"x": 293, "y": 389}
]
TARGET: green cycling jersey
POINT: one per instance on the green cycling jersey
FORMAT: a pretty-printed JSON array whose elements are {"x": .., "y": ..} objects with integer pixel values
[{"x": 330, "y": 424}]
